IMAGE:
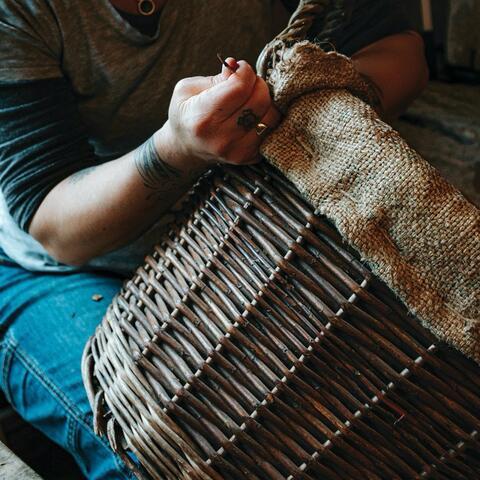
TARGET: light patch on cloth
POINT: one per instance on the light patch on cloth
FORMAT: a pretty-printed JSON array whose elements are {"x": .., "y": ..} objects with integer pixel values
[{"x": 415, "y": 230}]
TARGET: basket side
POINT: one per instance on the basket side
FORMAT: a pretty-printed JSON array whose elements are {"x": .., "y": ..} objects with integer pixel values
[{"x": 254, "y": 344}]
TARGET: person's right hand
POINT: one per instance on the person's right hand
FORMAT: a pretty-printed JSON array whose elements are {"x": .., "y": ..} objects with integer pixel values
[{"x": 214, "y": 118}]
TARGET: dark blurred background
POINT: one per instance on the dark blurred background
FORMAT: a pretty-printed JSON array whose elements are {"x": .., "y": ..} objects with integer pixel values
[
  {"x": 452, "y": 35},
  {"x": 443, "y": 124}
]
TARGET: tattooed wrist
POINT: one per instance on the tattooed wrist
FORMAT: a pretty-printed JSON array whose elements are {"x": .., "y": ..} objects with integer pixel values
[{"x": 155, "y": 172}]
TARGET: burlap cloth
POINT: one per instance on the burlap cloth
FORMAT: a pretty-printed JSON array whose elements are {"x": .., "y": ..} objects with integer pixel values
[{"x": 412, "y": 228}]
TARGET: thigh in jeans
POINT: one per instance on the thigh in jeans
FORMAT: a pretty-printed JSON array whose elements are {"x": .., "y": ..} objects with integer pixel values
[{"x": 45, "y": 320}]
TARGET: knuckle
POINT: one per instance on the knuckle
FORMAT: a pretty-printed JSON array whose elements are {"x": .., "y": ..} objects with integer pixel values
[
  {"x": 185, "y": 85},
  {"x": 264, "y": 95},
  {"x": 201, "y": 127},
  {"x": 263, "y": 89},
  {"x": 239, "y": 90},
  {"x": 220, "y": 149},
  {"x": 181, "y": 86}
]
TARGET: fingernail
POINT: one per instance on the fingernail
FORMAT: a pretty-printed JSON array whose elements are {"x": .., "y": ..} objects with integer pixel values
[{"x": 232, "y": 66}]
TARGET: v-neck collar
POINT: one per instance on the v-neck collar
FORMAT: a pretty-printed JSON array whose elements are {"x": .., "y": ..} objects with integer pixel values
[{"x": 122, "y": 26}]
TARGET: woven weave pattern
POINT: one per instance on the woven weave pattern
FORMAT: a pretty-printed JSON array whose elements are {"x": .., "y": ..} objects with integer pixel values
[
  {"x": 255, "y": 345},
  {"x": 414, "y": 229}
]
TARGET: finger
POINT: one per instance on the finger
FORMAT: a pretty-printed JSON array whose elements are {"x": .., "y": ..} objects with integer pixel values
[
  {"x": 272, "y": 119},
  {"x": 226, "y": 97},
  {"x": 191, "y": 86},
  {"x": 232, "y": 64},
  {"x": 246, "y": 150},
  {"x": 250, "y": 113},
  {"x": 237, "y": 129}
]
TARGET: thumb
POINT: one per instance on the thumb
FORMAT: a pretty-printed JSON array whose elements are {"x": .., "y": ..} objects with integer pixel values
[
  {"x": 229, "y": 67},
  {"x": 189, "y": 87}
]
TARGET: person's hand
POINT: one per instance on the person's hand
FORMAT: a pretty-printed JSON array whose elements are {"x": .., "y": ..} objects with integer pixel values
[{"x": 221, "y": 118}]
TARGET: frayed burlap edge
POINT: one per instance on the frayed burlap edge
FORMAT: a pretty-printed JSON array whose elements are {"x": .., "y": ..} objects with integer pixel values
[{"x": 415, "y": 231}]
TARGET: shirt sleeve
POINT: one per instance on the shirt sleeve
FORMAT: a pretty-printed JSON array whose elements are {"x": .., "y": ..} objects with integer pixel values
[
  {"x": 30, "y": 41},
  {"x": 372, "y": 20},
  {"x": 350, "y": 25},
  {"x": 42, "y": 141},
  {"x": 290, "y": 5}
]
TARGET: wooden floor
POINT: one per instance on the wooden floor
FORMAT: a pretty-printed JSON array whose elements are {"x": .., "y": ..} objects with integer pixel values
[{"x": 12, "y": 467}]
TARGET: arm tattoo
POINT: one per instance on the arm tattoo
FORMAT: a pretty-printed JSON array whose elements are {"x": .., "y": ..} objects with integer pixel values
[
  {"x": 77, "y": 176},
  {"x": 157, "y": 175}
]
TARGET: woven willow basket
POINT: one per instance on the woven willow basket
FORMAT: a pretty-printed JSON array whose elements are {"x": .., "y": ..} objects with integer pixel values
[{"x": 253, "y": 344}]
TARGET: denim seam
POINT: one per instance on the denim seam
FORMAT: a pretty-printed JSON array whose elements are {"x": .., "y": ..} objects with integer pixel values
[
  {"x": 71, "y": 437},
  {"x": 31, "y": 366},
  {"x": 9, "y": 350},
  {"x": 61, "y": 397},
  {"x": 67, "y": 404}
]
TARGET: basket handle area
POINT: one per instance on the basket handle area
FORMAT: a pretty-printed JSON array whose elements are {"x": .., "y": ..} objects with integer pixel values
[{"x": 316, "y": 20}]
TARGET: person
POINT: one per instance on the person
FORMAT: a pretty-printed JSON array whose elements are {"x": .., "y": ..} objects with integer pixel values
[{"x": 109, "y": 110}]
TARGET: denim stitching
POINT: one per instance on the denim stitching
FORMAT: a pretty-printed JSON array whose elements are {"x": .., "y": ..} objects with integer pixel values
[
  {"x": 72, "y": 440},
  {"x": 71, "y": 426},
  {"x": 9, "y": 351},
  {"x": 66, "y": 403},
  {"x": 63, "y": 399}
]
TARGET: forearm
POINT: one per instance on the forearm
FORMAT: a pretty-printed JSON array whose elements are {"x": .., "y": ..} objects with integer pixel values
[
  {"x": 102, "y": 208},
  {"x": 397, "y": 66}
]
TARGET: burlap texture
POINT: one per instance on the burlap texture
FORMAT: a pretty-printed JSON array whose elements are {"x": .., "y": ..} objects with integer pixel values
[{"x": 415, "y": 231}]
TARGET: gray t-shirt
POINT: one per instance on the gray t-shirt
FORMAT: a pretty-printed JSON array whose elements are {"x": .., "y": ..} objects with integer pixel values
[{"x": 122, "y": 80}]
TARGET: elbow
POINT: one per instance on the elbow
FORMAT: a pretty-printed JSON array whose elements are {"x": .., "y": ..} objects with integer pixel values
[
  {"x": 63, "y": 253},
  {"x": 68, "y": 258},
  {"x": 418, "y": 53},
  {"x": 55, "y": 238},
  {"x": 59, "y": 248},
  {"x": 414, "y": 63},
  {"x": 410, "y": 73}
]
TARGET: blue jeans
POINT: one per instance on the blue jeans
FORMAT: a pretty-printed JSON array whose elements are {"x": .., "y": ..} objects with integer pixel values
[{"x": 45, "y": 320}]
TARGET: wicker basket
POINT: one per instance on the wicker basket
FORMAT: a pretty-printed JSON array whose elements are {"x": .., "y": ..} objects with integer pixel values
[{"x": 253, "y": 344}]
